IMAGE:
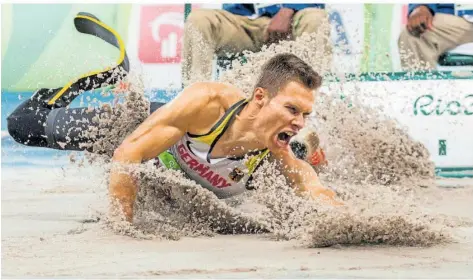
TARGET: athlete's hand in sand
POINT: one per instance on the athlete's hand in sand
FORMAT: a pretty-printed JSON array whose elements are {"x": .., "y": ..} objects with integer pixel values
[
  {"x": 315, "y": 154},
  {"x": 317, "y": 158},
  {"x": 279, "y": 27},
  {"x": 302, "y": 176},
  {"x": 420, "y": 20}
]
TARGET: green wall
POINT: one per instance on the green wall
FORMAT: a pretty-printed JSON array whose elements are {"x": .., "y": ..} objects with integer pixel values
[{"x": 42, "y": 48}]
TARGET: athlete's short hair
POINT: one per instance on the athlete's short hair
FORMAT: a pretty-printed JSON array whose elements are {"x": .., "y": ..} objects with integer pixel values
[{"x": 284, "y": 68}]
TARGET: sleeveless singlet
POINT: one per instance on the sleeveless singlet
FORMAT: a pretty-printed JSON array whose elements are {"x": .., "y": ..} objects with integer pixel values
[{"x": 225, "y": 177}]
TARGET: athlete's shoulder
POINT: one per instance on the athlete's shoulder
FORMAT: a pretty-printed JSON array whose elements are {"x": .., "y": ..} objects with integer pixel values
[{"x": 223, "y": 93}]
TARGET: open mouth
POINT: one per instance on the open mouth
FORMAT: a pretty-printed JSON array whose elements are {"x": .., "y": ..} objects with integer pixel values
[{"x": 285, "y": 137}]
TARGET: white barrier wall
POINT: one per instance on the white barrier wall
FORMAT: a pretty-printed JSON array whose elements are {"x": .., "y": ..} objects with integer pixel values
[{"x": 438, "y": 113}]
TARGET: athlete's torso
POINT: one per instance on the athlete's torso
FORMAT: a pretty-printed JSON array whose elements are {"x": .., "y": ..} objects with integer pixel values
[{"x": 225, "y": 177}]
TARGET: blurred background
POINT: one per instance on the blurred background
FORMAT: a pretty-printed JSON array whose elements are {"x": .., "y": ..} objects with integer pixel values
[{"x": 42, "y": 49}]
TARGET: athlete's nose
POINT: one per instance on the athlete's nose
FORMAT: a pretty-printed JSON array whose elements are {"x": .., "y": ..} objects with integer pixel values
[{"x": 298, "y": 122}]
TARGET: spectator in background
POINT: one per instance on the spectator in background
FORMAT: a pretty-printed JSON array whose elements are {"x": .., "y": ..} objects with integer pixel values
[
  {"x": 239, "y": 27},
  {"x": 431, "y": 30}
]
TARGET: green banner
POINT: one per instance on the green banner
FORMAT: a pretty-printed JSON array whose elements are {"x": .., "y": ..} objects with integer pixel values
[{"x": 377, "y": 41}]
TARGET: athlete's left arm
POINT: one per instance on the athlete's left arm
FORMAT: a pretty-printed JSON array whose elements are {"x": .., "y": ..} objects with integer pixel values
[{"x": 303, "y": 178}]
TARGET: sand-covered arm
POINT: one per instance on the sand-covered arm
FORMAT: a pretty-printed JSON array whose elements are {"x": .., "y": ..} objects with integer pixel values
[
  {"x": 156, "y": 134},
  {"x": 303, "y": 178}
]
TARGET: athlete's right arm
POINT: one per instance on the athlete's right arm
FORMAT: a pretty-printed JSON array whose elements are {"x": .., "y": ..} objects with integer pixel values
[{"x": 156, "y": 134}]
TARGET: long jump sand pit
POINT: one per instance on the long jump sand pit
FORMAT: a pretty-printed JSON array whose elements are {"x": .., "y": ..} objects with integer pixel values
[
  {"x": 399, "y": 221},
  {"x": 49, "y": 230}
]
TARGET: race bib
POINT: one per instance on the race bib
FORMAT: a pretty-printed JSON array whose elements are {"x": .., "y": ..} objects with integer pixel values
[{"x": 465, "y": 11}]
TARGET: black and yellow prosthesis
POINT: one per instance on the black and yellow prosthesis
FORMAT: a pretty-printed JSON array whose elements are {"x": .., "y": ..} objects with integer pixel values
[
  {"x": 89, "y": 24},
  {"x": 45, "y": 119}
]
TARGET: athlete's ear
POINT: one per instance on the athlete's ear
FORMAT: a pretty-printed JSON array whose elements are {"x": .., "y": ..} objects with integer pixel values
[{"x": 260, "y": 96}]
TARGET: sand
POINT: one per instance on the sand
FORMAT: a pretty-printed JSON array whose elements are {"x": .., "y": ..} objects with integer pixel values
[
  {"x": 48, "y": 231},
  {"x": 397, "y": 221}
]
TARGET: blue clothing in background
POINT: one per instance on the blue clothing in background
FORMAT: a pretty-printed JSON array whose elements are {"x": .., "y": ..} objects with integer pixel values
[
  {"x": 268, "y": 10},
  {"x": 435, "y": 8}
]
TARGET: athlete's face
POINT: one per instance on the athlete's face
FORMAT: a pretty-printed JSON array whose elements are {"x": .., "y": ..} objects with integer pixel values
[{"x": 284, "y": 115}]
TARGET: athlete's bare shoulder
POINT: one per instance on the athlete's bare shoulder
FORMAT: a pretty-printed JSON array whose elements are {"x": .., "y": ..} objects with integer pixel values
[
  {"x": 201, "y": 104},
  {"x": 222, "y": 93}
]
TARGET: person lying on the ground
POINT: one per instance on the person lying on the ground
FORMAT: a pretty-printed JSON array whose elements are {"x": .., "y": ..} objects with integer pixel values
[{"x": 216, "y": 136}]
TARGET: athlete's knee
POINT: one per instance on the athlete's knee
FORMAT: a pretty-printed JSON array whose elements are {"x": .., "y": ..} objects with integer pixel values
[
  {"x": 27, "y": 122},
  {"x": 14, "y": 126},
  {"x": 19, "y": 129}
]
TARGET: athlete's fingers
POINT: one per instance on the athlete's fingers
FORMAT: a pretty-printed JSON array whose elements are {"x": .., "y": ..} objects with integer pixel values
[{"x": 315, "y": 159}]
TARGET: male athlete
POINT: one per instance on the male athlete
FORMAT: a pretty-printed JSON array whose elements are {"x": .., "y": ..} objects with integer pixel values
[{"x": 217, "y": 137}]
